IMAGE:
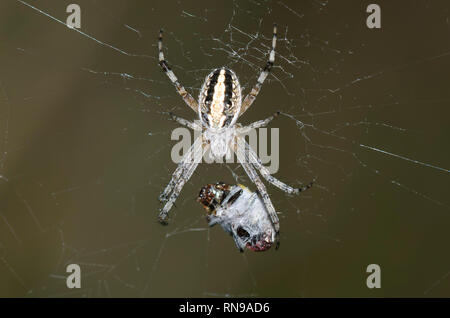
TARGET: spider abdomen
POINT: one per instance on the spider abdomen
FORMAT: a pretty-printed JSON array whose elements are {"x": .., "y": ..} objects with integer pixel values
[{"x": 220, "y": 99}]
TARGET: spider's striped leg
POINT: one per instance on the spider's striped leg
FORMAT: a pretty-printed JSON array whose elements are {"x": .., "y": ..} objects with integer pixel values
[
  {"x": 186, "y": 175},
  {"x": 188, "y": 99},
  {"x": 263, "y": 122},
  {"x": 188, "y": 158},
  {"x": 243, "y": 159},
  {"x": 250, "y": 98},
  {"x": 182, "y": 121},
  {"x": 254, "y": 159},
  {"x": 163, "y": 197}
]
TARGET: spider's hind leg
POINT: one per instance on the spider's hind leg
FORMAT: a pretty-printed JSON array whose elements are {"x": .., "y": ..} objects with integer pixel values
[
  {"x": 188, "y": 99},
  {"x": 250, "y": 98}
]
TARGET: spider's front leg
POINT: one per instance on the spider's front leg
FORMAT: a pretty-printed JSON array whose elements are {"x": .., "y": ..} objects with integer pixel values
[
  {"x": 188, "y": 170},
  {"x": 163, "y": 197},
  {"x": 181, "y": 175},
  {"x": 256, "y": 162},
  {"x": 244, "y": 160}
]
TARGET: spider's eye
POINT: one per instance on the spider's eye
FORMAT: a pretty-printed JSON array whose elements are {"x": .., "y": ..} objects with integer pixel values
[{"x": 242, "y": 233}]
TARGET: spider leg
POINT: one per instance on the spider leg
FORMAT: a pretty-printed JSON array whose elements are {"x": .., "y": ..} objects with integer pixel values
[
  {"x": 163, "y": 197},
  {"x": 186, "y": 175},
  {"x": 250, "y": 98},
  {"x": 260, "y": 123},
  {"x": 244, "y": 161},
  {"x": 256, "y": 162},
  {"x": 182, "y": 121},
  {"x": 188, "y": 99}
]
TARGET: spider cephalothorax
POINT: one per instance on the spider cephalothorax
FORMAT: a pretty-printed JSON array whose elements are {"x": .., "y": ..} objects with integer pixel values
[{"x": 219, "y": 106}]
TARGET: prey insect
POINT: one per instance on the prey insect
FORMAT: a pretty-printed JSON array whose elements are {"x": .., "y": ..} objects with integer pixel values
[{"x": 241, "y": 213}]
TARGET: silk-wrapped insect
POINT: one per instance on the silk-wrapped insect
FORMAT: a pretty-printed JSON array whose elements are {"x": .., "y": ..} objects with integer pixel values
[{"x": 241, "y": 213}]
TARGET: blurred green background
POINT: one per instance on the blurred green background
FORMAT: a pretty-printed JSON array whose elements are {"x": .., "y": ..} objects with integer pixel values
[{"x": 85, "y": 152}]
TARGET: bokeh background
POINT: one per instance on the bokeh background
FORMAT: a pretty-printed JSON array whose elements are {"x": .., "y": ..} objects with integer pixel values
[{"x": 85, "y": 151}]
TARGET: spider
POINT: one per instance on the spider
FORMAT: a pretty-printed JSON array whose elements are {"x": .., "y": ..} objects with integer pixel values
[{"x": 219, "y": 106}]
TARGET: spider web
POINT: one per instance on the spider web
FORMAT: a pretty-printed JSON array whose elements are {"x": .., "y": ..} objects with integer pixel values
[{"x": 85, "y": 150}]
